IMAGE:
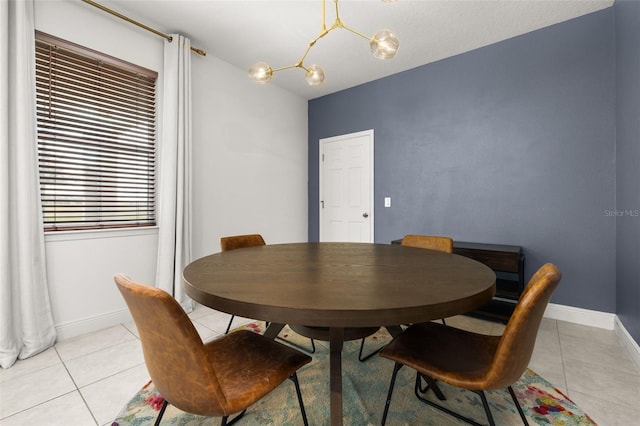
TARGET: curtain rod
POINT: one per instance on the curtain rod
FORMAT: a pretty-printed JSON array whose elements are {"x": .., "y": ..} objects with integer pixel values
[{"x": 141, "y": 25}]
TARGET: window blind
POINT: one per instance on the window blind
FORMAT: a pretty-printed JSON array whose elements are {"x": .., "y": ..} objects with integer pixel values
[{"x": 96, "y": 138}]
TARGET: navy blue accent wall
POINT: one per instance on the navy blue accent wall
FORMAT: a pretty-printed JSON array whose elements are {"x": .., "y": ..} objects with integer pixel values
[
  {"x": 513, "y": 143},
  {"x": 627, "y": 21}
]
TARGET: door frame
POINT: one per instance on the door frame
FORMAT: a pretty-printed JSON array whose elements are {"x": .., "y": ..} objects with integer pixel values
[{"x": 338, "y": 138}]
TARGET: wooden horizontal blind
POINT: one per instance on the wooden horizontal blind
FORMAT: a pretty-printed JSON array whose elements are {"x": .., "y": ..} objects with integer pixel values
[{"x": 96, "y": 138}]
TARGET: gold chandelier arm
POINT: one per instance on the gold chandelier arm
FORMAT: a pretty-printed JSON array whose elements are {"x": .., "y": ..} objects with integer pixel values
[
  {"x": 340, "y": 24},
  {"x": 323, "y": 33},
  {"x": 324, "y": 16},
  {"x": 356, "y": 32},
  {"x": 335, "y": 2},
  {"x": 336, "y": 24},
  {"x": 300, "y": 63},
  {"x": 296, "y": 65}
]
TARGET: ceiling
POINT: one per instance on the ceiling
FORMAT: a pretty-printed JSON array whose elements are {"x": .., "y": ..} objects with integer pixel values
[{"x": 242, "y": 32}]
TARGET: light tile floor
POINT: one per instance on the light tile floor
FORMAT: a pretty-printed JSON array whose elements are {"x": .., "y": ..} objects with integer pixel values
[{"x": 85, "y": 381}]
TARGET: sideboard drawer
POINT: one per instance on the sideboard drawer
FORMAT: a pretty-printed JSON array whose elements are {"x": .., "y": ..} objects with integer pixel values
[{"x": 496, "y": 260}]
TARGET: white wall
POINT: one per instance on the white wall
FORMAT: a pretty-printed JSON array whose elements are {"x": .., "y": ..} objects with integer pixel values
[
  {"x": 250, "y": 162},
  {"x": 249, "y": 171}
]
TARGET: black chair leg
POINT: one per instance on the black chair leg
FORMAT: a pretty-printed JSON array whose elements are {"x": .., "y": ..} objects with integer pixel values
[
  {"x": 515, "y": 401},
  {"x": 396, "y": 368},
  {"x": 360, "y": 357},
  {"x": 294, "y": 379},
  {"x": 487, "y": 410},
  {"x": 419, "y": 384},
  {"x": 229, "y": 326},
  {"x": 438, "y": 406},
  {"x": 419, "y": 390},
  {"x": 161, "y": 413},
  {"x": 233, "y": 420},
  {"x": 431, "y": 384}
]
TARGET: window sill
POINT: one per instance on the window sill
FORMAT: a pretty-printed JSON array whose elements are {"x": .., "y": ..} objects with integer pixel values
[{"x": 94, "y": 234}]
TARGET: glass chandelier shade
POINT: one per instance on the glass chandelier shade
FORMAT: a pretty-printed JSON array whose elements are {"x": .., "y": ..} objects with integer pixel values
[
  {"x": 261, "y": 73},
  {"x": 384, "y": 45},
  {"x": 315, "y": 75}
]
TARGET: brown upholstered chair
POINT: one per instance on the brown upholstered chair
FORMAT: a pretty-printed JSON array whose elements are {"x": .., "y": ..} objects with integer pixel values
[
  {"x": 241, "y": 241},
  {"x": 219, "y": 378},
  {"x": 250, "y": 240},
  {"x": 431, "y": 242},
  {"x": 473, "y": 361}
]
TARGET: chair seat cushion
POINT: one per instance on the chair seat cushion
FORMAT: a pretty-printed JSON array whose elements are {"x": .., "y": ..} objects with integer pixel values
[
  {"x": 239, "y": 356},
  {"x": 458, "y": 357}
]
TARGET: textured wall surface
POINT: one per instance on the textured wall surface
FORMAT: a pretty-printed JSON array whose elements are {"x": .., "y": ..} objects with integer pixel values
[
  {"x": 513, "y": 143},
  {"x": 627, "y": 16}
]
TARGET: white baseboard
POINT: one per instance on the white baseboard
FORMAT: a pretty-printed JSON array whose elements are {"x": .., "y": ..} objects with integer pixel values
[
  {"x": 89, "y": 325},
  {"x": 580, "y": 316},
  {"x": 627, "y": 341},
  {"x": 596, "y": 319}
]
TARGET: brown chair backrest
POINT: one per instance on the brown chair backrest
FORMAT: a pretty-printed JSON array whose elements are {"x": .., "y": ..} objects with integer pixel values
[
  {"x": 241, "y": 241},
  {"x": 430, "y": 242},
  {"x": 515, "y": 348},
  {"x": 173, "y": 351}
]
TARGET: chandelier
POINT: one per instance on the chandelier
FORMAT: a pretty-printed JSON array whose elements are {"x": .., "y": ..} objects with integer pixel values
[{"x": 383, "y": 44}]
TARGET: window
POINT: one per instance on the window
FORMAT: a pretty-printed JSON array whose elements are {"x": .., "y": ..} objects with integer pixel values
[{"x": 96, "y": 138}]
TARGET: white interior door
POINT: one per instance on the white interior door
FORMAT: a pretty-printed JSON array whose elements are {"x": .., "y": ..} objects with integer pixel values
[{"x": 346, "y": 188}]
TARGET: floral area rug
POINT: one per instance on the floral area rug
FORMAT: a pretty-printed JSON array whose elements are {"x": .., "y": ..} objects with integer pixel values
[{"x": 364, "y": 390}]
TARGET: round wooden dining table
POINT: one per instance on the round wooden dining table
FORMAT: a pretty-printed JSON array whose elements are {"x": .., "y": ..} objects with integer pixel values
[{"x": 339, "y": 287}]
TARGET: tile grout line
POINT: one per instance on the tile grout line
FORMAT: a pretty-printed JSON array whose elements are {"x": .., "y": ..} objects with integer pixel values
[
  {"x": 96, "y": 350},
  {"x": 564, "y": 372},
  {"x": 97, "y": 381},
  {"x": 57, "y": 396},
  {"x": 64, "y": 364},
  {"x": 78, "y": 389},
  {"x": 41, "y": 403}
]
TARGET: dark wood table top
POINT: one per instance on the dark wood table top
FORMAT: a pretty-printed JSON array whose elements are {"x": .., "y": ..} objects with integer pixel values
[{"x": 339, "y": 284}]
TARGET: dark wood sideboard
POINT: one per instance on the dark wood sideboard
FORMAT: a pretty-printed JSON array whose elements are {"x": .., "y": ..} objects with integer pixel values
[{"x": 508, "y": 263}]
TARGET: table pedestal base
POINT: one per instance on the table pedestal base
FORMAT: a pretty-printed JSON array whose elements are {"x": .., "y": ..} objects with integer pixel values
[
  {"x": 336, "y": 336},
  {"x": 336, "y": 339},
  {"x": 323, "y": 333}
]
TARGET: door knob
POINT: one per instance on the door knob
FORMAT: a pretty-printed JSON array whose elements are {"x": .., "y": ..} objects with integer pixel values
[{"x": 365, "y": 214}]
